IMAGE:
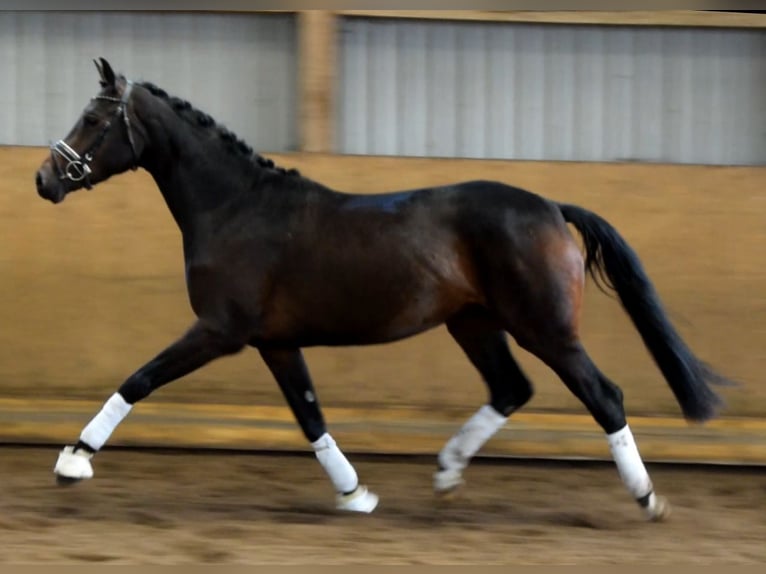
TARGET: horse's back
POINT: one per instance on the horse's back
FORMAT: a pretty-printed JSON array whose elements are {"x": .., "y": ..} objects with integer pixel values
[
  {"x": 489, "y": 198},
  {"x": 487, "y": 222}
]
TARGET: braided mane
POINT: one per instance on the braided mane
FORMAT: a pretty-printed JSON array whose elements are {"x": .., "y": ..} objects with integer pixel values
[{"x": 236, "y": 145}]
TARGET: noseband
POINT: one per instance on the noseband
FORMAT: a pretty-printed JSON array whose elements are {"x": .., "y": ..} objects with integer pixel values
[{"x": 77, "y": 167}]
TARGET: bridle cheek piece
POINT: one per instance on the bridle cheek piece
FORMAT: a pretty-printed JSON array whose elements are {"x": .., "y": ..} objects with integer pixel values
[{"x": 77, "y": 167}]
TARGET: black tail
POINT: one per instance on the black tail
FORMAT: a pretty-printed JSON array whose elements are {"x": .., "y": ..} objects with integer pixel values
[{"x": 609, "y": 259}]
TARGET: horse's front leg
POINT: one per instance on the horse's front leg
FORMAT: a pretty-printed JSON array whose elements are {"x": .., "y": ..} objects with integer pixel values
[
  {"x": 289, "y": 370},
  {"x": 197, "y": 347}
]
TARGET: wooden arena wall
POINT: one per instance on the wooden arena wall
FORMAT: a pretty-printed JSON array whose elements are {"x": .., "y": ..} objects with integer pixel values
[{"x": 92, "y": 288}]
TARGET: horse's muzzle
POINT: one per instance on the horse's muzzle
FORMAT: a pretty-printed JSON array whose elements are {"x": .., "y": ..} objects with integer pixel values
[{"x": 48, "y": 186}]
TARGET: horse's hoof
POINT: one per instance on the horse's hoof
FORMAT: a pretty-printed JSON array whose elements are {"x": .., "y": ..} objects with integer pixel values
[
  {"x": 660, "y": 510},
  {"x": 361, "y": 500},
  {"x": 66, "y": 481},
  {"x": 450, "y": 494},
  {"x": 448, "y": 484},
  {"x": 73, "y": 466}
]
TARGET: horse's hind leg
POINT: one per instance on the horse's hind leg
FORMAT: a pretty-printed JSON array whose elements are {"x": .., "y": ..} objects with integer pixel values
[
  {"x": 486, "y": 346},
  {"x": 197, "y": 347},
  {"x": 292, "y": 376},
  {"x": 603, "y": 399},
  {"x": 544, "y": 319}
]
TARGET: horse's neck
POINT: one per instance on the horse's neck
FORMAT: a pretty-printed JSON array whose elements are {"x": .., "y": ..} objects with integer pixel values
[{"x": 200, "y": 182}]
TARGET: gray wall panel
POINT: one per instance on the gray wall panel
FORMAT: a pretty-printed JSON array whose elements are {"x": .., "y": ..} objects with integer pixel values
[
  {"x": 543, "y": 92},
  {"x": 241, "y": 69}
]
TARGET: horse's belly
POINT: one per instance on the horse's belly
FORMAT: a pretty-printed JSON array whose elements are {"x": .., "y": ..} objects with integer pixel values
[
  {"x": 336, "y": 335},
  {"x": 361, "y": 318}
]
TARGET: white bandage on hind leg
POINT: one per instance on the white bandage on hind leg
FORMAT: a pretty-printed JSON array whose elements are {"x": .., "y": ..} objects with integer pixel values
[
  {"x": 464, "y": 444},
  {"x": 338, "y": 468},
  {"x": 100, "y": 428},
  {"x": 629, "y": 465}
]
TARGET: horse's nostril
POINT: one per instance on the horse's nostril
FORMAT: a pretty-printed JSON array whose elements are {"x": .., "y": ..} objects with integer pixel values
[{"x": 39, "y": 180}]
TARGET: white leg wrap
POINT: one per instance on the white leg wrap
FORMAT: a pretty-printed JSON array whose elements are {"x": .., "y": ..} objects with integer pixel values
[
  {"x": 477, "y": 430},
  {"x": 100, "y": 428},
  {"x": 350, "y": 495},
  {"x": 634, "y": 474},
  {"x": 75, "y": 464},
  {"x": 629, "y": 464},
  {"x": 336, "y": 465},
  {"x": 464, "y": 445}
]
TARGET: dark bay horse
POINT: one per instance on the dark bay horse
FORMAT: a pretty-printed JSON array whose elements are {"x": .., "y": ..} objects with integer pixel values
[{"x": 279, "y": 262}]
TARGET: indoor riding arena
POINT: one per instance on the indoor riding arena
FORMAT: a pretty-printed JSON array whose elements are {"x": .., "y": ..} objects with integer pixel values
[{"x": 656, "y": 121}]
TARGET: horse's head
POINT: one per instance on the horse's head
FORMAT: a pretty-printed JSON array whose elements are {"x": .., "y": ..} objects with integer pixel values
[{"x": 102, "y": 143}]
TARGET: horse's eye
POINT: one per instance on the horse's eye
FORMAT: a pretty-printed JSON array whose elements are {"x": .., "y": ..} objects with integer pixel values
[{"x": 90, "y": 120}]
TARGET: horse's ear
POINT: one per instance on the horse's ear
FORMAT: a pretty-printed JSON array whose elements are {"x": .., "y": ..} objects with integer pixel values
[{"x": 105, "y": 71}]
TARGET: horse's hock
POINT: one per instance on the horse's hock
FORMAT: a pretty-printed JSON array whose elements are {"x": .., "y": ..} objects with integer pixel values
[{"x": 94, "y": 287}]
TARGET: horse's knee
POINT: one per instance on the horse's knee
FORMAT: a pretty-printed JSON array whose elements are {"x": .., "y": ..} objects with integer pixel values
[
  {"x": 522, "y": 394},
  {"x": 603, "y": 399},
  {"x": 136, "y": 388},
  {"x": 613, "y": 393},
  {"x": 230, "y": 345},
  {"x": 512, "y": 399},
  {"x": 313, "y": 429},
  {"x": 609, "y": 410}
]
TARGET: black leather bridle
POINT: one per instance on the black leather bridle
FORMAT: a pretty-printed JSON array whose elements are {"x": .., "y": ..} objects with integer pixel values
[{"x": 78, "y": 167}]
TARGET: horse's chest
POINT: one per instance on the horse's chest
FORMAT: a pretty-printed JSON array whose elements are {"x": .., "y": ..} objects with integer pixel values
[{"x": 223, "y": 294}]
